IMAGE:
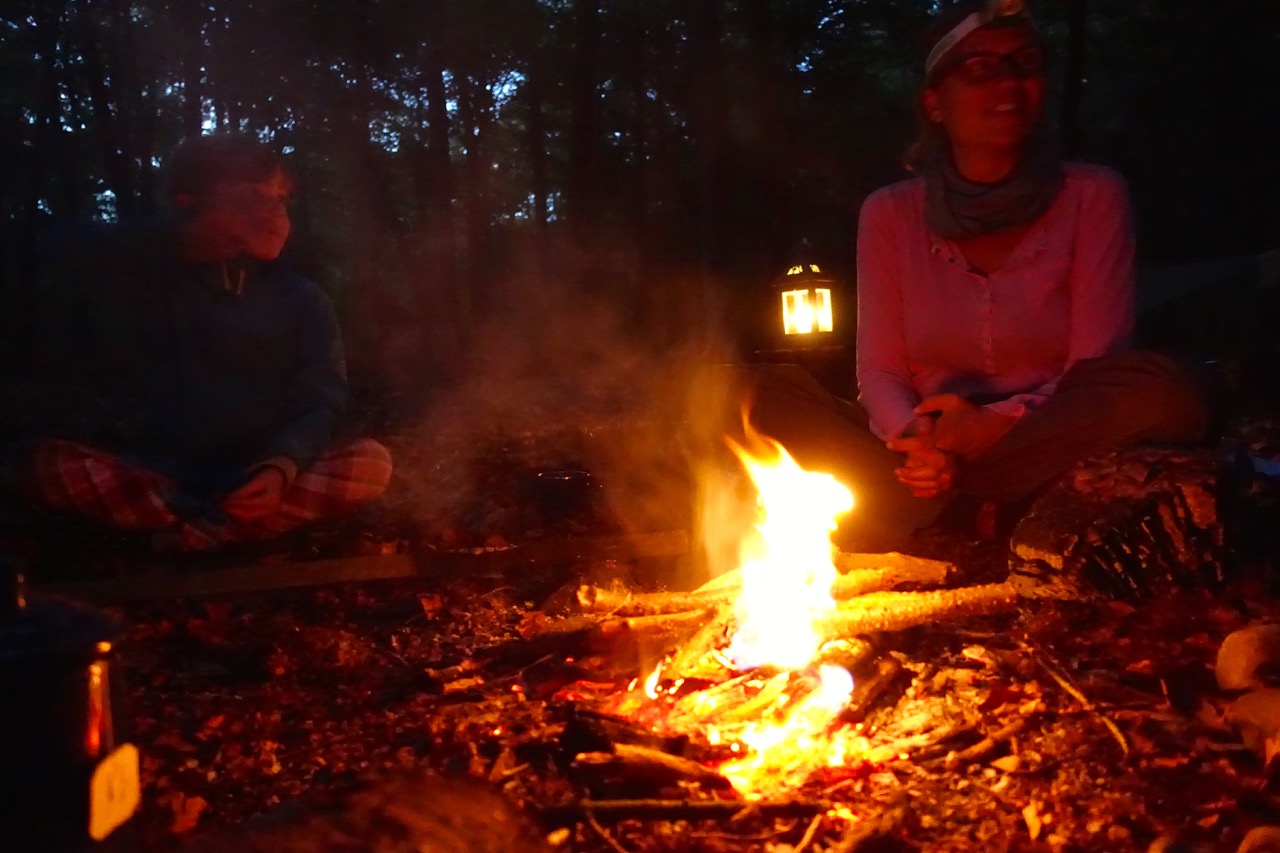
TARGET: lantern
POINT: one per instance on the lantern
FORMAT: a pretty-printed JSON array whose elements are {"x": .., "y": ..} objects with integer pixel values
[{"x": 805, "y": 300}]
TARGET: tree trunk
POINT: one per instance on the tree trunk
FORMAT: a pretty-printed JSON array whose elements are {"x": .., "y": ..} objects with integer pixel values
[
  {"x": 1073, "y": 78},
  {"x": 584, "y": 122}
]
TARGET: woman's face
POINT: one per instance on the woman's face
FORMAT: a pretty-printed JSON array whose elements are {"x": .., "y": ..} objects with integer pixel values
[{"x": 989, "y": 93}]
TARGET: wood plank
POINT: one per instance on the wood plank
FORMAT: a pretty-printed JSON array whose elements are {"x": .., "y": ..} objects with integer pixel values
[{"x": 178, "y": 581}]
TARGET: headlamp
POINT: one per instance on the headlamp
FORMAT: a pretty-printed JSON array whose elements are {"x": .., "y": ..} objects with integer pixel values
[{"x": 994, "y": 12}]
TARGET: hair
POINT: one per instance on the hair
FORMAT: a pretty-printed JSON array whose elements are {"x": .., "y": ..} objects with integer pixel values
[
  {"x": 201, "y": 162},
  {"x": 930, "y": 137}
]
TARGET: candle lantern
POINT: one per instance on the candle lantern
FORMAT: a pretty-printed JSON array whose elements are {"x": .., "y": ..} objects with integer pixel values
[
  {"x": 810, "y": 322},
  {"x": 807, "y": 308}
]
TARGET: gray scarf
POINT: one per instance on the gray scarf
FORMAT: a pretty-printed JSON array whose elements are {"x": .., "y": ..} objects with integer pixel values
[{"x": 957, "y": 207}]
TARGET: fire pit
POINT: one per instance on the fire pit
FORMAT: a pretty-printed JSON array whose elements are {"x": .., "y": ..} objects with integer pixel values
[{"x": 620, "y": 715}]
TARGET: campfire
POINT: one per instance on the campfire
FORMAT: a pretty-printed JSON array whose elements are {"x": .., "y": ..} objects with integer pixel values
[{"x": 763, "y": 671}]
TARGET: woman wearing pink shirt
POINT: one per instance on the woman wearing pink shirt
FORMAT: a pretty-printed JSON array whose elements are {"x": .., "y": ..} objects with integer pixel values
[{"x": 995, "y": 306}]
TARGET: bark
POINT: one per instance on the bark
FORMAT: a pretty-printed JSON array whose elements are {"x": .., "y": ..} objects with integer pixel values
[{"x": 897, "y": 611}]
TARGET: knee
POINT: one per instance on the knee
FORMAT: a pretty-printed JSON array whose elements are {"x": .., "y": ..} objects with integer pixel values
[
  {"x": 1160, "y": 397},
  {"x": 372, "y": 463}
]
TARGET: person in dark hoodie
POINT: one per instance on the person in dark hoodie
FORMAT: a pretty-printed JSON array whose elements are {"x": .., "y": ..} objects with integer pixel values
[{"x": 204, "y": 377}]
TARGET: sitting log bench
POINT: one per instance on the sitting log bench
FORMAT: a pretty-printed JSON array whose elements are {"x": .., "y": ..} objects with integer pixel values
[{"x": 1126, "y": 524}]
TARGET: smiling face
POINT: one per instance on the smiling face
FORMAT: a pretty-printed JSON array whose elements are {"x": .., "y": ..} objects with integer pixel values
[{"x": 988, "y": 95}]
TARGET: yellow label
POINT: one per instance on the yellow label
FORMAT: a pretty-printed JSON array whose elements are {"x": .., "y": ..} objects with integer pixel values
[{"x": 114, "y": 791}]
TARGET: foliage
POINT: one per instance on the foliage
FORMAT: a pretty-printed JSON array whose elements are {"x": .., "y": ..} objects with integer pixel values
[{"x": 448, "y": 148}]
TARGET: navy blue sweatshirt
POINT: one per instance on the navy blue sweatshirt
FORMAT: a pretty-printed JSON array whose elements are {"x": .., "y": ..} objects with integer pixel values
[{"x": 184, "y": 369}]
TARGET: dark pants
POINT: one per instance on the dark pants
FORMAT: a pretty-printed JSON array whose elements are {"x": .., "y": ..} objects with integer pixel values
[{"x": 1100, "y": 404}]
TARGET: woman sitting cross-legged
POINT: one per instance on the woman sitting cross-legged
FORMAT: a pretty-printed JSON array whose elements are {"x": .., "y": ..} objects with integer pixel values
[{"x": 995, "y": 308}]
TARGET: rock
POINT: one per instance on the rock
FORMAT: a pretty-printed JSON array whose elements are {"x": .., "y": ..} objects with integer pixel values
[
  {"x": 1135, "y": 523},
  {"x": 1261, "y": 839},
  {"x": 1256, "y": 715},
  {"x": 1249, "y": 658}
]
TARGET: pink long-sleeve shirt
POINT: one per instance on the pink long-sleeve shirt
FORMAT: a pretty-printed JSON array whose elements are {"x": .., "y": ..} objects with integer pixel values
[{"x": 928, "y": 324}]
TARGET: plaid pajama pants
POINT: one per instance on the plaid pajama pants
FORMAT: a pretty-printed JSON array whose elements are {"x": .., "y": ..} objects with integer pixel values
[{"x": 119, "y": 493}]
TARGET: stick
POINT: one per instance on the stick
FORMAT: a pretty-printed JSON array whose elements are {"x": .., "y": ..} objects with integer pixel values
[
  {"x": 597, "y": 599},
  {"x": 563, "y": 814},
  {"x": 632, "y": 763},
  {"x": 709, "y": 637},
  {"x": 1088, "y": 706},
  {"x": 983, "y": 748},
  {"x": 600, "y": 831}
]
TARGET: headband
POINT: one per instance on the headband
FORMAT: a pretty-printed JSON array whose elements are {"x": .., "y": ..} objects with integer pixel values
[{"x": 996, "y": 11}]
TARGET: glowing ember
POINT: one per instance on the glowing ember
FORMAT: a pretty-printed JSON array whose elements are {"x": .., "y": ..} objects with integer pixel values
[{"x": 784, "y": 753}]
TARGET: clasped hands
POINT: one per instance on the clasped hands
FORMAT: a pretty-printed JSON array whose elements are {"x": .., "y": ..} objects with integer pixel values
[{"x": 946, "y": 430}]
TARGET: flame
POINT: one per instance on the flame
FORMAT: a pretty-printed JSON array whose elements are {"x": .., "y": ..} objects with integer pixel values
[
  {"x": 785, "y": 752},
  {"x": 787, "y": 571}
]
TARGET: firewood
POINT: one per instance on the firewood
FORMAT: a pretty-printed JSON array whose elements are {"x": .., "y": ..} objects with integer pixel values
[
  {"x": 859, "y": 574},
  {"x": 896, "y": 611},
  {"x": 563, "y": 814},
  {"x": 629, "y": 764},
  {"x": 592, "y": 633},
  {"x": 621, "y": 602},
  {"x": 711, "y": 636}
]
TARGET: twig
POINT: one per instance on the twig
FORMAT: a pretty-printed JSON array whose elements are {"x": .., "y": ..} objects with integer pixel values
[
  {"x": 977, "y": 751},
  {"x": 1075, "y": 693},
  {"x": 602, "y": 832},
  {"x": 809, "y": 833}
]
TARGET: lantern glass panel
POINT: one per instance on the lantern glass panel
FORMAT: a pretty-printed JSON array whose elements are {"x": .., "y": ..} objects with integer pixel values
[{"x": 807, "y": 311}]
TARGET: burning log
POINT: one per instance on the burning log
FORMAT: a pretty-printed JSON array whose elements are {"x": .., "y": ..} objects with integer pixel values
[
  {"x": 861, "y": 574},
  {"x": 621, "y": 602},
  {"x": 897, "y": 611}
]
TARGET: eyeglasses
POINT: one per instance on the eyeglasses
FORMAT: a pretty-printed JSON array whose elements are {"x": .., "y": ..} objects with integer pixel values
[{"x": 985, "y": 66}]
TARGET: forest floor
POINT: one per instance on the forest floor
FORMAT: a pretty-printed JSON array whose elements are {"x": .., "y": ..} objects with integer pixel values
[{"x": 1056, "y": 726}]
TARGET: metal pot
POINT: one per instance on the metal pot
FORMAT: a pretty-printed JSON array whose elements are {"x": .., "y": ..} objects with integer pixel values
[{"x": 73, "y": 775}]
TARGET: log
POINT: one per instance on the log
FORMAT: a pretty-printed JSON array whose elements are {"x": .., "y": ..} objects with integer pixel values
[
  {"x": 861, "y": 573},
  {"x": 584, "y": 632},
  {"x": 629, "y": 764},
  {"x": 897, "y": 611},
  {"x": 563, "y": 814},
  {"x": 622, "y": 602},
  {"x": 708, "y": 638},
  {"x": 1137, "y": 523}
]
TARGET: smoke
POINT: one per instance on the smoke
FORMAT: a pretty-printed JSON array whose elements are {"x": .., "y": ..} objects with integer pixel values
[{"x": 591, "y": 371}]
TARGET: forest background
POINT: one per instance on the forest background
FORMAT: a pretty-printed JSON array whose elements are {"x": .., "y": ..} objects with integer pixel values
[{"x": 578, "y": 188}]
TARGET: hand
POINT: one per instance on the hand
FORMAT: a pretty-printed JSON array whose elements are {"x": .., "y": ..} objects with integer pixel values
[
  {"x": 963, "y": 428},
  {"x": 258, "y": 497},
  {"x": 928, "y": 472}
]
